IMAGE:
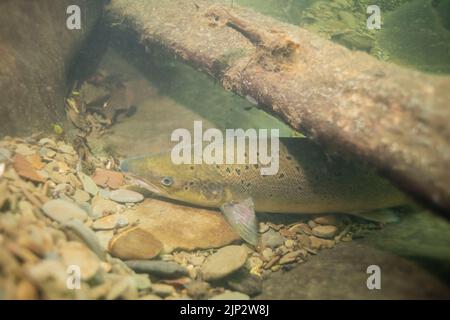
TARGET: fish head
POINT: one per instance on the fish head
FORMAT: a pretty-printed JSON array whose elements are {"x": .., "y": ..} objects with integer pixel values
[{"x": 191, "y": 183}]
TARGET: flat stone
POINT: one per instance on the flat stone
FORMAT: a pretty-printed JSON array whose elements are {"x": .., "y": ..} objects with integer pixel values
[
  {"x": 197, "y": 289},
  {"x": 24, "y": 150},
  {"x": 63, "y": 211},
  {"x": 318, "y": 243},
  {"x": 163, "y": 290},
  {"x": 81, "y": 196},
  {"x": 272, "y": 239},
  {"x": 110, "y": 222},
  {"x": 327, "y": 232},
  {"x": 87, "y": 236},
  {"x": 243, "y": 281},
  {"x": 162, "y": 269},
  {"x": 231, "y": 295},
  {"x": 224, "y": 262},
  {"x": 126, "y": 196},
  {"x": 267, "y": 253},
  {"x": 327, "y": 220},
  {"x": 304, "y": 240},
  {"x": 76, "y": 254},
  {"x": 182, "y": 227},
  {"x": 134, "y": 243},
  {"x": 289, "y": 257},
  {"x": 102, "y": 207}
]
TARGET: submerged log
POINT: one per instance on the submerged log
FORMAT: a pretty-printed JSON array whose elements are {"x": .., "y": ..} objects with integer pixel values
[{"x": 393, "y": 118}]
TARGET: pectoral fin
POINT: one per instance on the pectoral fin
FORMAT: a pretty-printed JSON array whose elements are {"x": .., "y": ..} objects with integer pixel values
[{"x": 241, "y": 216}]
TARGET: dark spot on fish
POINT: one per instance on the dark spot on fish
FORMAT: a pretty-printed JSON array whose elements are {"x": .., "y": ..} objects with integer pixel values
[
  {"x": 256, "y": 166},
  {"x": 300, "y": 188},
  {"x": 191, "y": 183},
  {"x": 288, "y": 158},
  {"x": 281, "y": 176},
  {"x": 271, "y": 195},
  {"x": 186, "y": 188},
  {"x": 257, "y": 154},
  {"x": 238, "y": 171},
  {"x": 247, "y": 167},
  {"x": 192, "y": 168},
  {"x": 298, "y": 168},
  {"x": 248, "y": 185},
  {"x": 217, "y": 166},
  {"x": 242, "y": 181},
  {"x": 245, "y": 154},
  {"x": 228, "y": 170}
]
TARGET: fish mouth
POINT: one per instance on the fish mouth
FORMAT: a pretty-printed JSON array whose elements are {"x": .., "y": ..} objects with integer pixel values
[{"x": 138, "y": 181}]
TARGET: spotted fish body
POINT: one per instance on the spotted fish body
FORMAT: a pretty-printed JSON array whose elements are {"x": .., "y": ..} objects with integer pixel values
[{"x": 307, "y": 182}]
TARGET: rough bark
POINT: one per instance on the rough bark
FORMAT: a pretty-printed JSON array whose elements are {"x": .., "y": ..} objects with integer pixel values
[
  {"x": 394, "y": 118},
  {"x": 36, "y": 53}
]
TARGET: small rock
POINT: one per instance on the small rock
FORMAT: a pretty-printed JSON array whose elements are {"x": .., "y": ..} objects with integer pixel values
[
  {"x": 301, "y": 228},
  {"x": 76, "y": 254},
  {"x": 126, "y": 196},
  {"x": 66, "y": 148},
  {"x": 162, "y": 269},
  {"x": 163, "y": 290},
  {"x": 5, "y": 154},
  {"x": 134, "y": 243},
  {"x": 47, "y": 141},
  {"x": 245, "y": 282},
  {"x": 196, "y": 260},
  {"x": 231, "y": 295},
  {"x": 289, "y": 243},
  {"x": 254, "y": 262},
  {"x": 87, "y": 236},
  {"x": 102, "y": 207},
  {"x": 141, "y": 281},
  {"x": 263, "y": 227},
  {"x": 312, "y": 224},
  {"x": 81, "y": 196},
  {"x": 63, "y": 211},
  {"x": 88, "y": 184},
  {"x": 327, "y": 220},
  {"x": 267, "y": 254},
  {"x": 304, "y": 240},
  {"x": 24, "y": 150},
  {"x": 197, "y": 289},
  {"x": 110, "y": 222},
  {"x": 327, "y": 232},
  {"x": 222, "y": 263},
  {"x": 272, "y": 239},
  {"x": 318, "y": 243},
  {"x": 289, "y": 257}
]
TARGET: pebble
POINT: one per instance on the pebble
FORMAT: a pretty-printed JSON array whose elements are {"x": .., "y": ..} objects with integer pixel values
[
  {"x": 327, "y": 232},
  {"x": 318, "y": 243},
  {"x": 304, "y": 240},
  {"x": 126, "y": 196},
  {"x": 81, "y": 196},
  {"x": 88, "y": 184},
  {"x": 263, "y": 227},
  {"x": 163, "y": 290},
  {"x": 102, "y": 207},
  {"x": 272, "y": 239},
  {"x": 24, "y": 150},
  {"x": 231, "y": 295},
  {"x": 76, "y": 254},
  {"x": 311, "y": 224},
  {"x": 142, "y": 281},
  {"x": 254, "y": 262},
  {"x": 301, "y": 228},
  {"x": 245, "y": 282},
  {"x": 134, "y": 243},
  {"x": 224, "y": 262},
  {"x": 86, "y": 235},
  {"x": 197, "y": 289},
  {"x": 5, "y": 154},
  {"x": 110, "y": 222},
  {"x": 327, "y": 220},
  {"x": 289, "y": 257},
  {"x": 63, "y": 211},
  {"x": 162, "y": 269},
  {"x": 267, "y": 253},
  {"x": 289, "y": 243}
]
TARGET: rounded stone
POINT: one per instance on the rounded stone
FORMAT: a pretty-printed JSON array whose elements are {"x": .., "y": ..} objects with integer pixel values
[
  {"x": 126, "y": 196},
  {"x": 224, "y": 262},
  {"x": 62, "y": 211}
]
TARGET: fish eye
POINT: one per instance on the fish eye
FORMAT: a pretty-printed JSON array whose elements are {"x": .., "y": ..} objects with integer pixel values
[{"x": 167, "y": 181}]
